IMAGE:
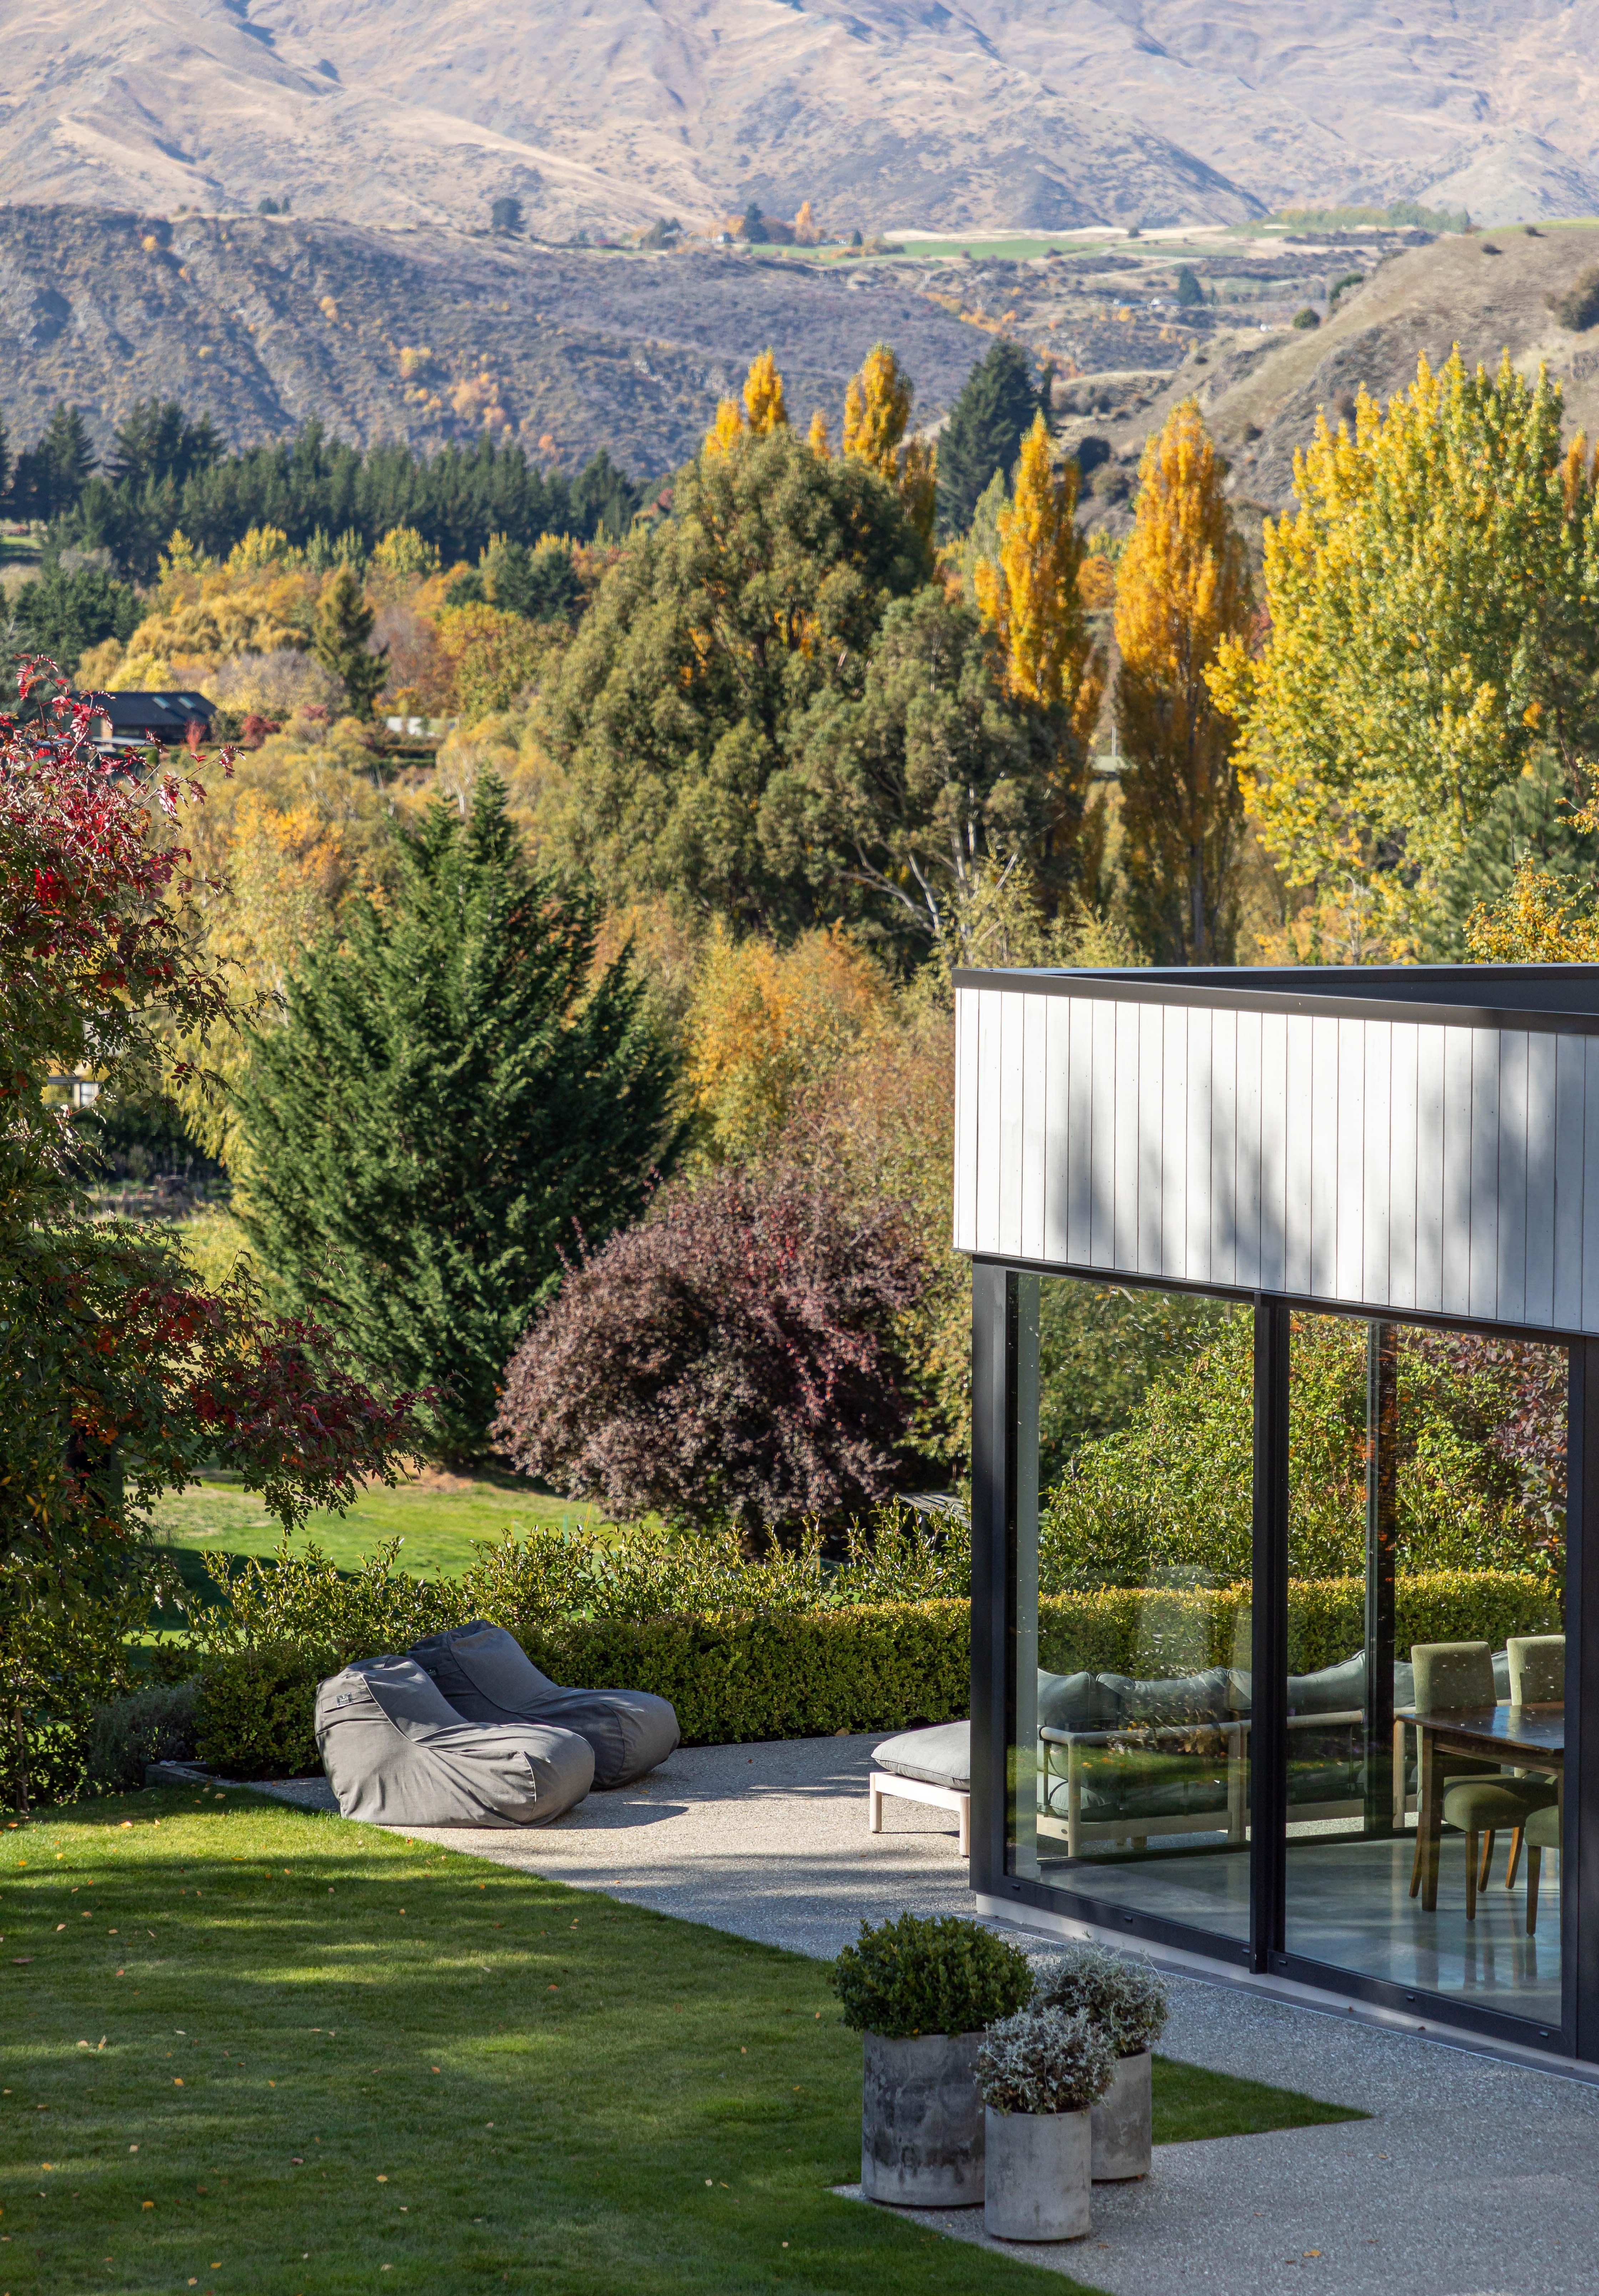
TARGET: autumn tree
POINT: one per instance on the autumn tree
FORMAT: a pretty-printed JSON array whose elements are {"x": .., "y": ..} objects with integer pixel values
[
  {"x": 877, "y": 408},
  {"x": 1182, "y": 587},
  {"x": 1431, "y": 629},
  {"x": 676, "y": 716},
  {"x": 763, "y": 410},
  {"x": 1030, "y": 597}
]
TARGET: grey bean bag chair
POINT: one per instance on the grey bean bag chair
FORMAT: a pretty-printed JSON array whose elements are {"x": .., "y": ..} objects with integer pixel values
[
  {"x": 397, "y": 1754},
  {"x": 486, "y": 1675}
]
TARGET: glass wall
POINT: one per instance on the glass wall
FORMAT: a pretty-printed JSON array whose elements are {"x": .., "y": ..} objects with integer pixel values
[
  {"x": 1426, "y": 1663},
  {"x": 1129, "y": 1761}
]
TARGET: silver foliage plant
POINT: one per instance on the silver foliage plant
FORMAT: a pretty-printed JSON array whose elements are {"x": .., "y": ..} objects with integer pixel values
[
  {"x": 1125, "y": 1998},
  {"x": 1044, "y": 2061}
]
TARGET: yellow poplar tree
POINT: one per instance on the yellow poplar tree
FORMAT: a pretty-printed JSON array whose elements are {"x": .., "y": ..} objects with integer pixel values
[
  {"x": 877, "y": 408},
  {"x": 816, "y": 438},
  {"x": 763, "y": 396},
  {"x": 1431, "y": 626},
  {"x": 1030, "y": 594},
  {"x": 1181, "y": 588},
  {"x": 728, "y": 429}
]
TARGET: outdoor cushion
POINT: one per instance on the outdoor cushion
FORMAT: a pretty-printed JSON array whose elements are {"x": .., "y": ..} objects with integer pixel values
[
  {"x": 1173, "y": 1698},
  {"x": 938, "y": 1756},
  {"x": 397, "y": 1753},
  {"x": 487, "y": 1677},
  {"x": 1075, "y": 1701},
  {"x": 1331, "y": 1690},
  {"x": 1403, "y": 1687}
]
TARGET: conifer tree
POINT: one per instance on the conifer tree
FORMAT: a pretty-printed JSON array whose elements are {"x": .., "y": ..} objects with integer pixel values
[
  {"x": 1182, "y": 587},
  {"x": 453, "y": 1101},
  {"x": 984, "y": 433},
  {"x": 344, "y": 623}
]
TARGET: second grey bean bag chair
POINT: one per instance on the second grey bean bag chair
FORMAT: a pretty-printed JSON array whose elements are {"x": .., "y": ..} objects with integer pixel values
[
  {"x": 396, "y": 1753},
  {"x": 486, "y": 1675}
]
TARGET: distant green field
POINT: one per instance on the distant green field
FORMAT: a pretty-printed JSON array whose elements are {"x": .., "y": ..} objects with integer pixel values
[{"x": 438, "y": 1525}]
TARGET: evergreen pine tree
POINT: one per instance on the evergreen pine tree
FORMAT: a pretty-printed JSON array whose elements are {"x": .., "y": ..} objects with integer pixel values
[
  {"x": 65, "y": 458},
  {"x": 453, "y": 1101},
  {"x": 754, "y": 225},
  {"x": 984, "y": 433},
  {"x": 344, "y": 623}
]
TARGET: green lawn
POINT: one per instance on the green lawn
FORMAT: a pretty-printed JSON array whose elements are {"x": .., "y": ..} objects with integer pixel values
[
  {"x": 217, "y": 2006},
  {"x": 438, "y": 1525}
]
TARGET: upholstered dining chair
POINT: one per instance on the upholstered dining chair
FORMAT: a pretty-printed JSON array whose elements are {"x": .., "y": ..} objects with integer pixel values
[
  {"x": 1458, "y": 1678},
  {"x": 1543, "y": 1833},
  {"x": 1538, "y": 1669}
]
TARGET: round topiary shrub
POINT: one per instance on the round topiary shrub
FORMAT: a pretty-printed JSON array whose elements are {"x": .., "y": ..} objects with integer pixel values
[
  {"x": 1124, "y": 1999},
  {"x": 929, "y": 1974},
  {"x": 1044, "y": 2061}
]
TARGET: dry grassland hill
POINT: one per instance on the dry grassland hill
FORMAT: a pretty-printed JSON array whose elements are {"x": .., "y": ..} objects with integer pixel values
[
  {"x": 884, "y": 114},
  {"x": 432, "y": 335}
]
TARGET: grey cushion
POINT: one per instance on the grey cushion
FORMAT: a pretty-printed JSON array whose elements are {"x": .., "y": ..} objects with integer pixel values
[
  {"x": 1075, "y": 1701},
  {"x": 938, "y": 1756},
  {"x": 1173, "y": 1698},
  {"x": 397, "y": 1753},
  {"x": 487, "y": 1677},
  {"x": 1331, "y": 1690}
]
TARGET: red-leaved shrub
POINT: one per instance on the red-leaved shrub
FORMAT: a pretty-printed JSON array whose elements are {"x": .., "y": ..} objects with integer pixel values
[{"x": 731, "y": 1359}]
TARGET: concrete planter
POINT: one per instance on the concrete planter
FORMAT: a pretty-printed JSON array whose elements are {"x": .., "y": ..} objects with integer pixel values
[
  {"x": 1123, "y": 2132},
  {"x": 1038, "y": 2184},
  {"x": 921, "y": 2121}
]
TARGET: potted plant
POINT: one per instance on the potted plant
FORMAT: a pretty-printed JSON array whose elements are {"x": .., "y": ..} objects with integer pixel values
[
  {"x": 1041, "y": 2072},
  {"x": 921, "y": 1990},
  {"x": 1127, "y": 2000}
]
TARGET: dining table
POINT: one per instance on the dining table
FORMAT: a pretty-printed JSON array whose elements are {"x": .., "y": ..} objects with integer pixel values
[{"x": 1451, "y": 1742}]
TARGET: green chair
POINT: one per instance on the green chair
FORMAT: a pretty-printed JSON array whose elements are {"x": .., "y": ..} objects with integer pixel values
[
  {"x": 1458, "y": 1677},
  {"x": 1543, "y": 1833},
  {"x": 1538, "y": 1669}
]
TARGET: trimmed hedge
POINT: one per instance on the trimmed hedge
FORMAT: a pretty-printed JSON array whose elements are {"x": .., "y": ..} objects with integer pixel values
[
  {"x": 1146, "y": 1631},
  {"x": 882, "y": 1666}
]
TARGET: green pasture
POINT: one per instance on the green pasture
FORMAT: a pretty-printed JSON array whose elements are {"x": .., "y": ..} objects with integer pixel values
[{"x": 256, "y": 2051}]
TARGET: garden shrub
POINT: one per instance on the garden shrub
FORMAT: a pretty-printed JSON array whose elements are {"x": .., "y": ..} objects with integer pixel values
[
  {"x": 938, "y": 1973},
  {"x": 1045, "y": 2060},
  {"x": 1124, "y": 1998},
  {"x": 155, "y": 1724}
]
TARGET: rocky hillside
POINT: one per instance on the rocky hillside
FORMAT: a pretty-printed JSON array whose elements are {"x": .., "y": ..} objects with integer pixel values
[
  {"x": 431, "y": 335},
  {"x": 885, "y": 113}
]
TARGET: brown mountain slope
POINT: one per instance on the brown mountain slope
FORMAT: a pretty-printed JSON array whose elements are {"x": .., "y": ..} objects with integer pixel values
[
  {"x": 883, "y": 112},
  {"x": 429, "y": 335}
]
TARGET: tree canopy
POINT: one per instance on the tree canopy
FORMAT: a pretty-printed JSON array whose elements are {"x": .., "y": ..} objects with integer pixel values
[{"x": 986, "y": 424}]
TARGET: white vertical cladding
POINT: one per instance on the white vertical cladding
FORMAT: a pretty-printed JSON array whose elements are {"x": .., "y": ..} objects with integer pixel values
[
  {"x": 1543, "y": 1053},
  {"x": 1101, "y": 1171},
  {"x": 1430, "y": 1166},
  {"x": 1057, "y": 1125},
  {"x": 1125, "y": 1153},
  {"x": 1403, "y": 1078},
  {"x": 1456, "y": 1289},
  {"x": 1079, "y": 1131},
  {"x": 1408, "y": 1165},
  {"x": 1246, "y": 1165},
  {"x": 1482, "y": 1295},
  {"x": 1173, "y": 1144},
  {"x": 1376, "y": 1160},
  {"x": 1224, "y": 1146},
  {"x": 1150, "y": 1134},
  {"x": 1511, "y": 1272},
  {"x": 1348, "y": 1276},
  {"x": 1299, "y": 1123},
  {"x": 966, "y": 1005},
  {"x": 1274, "y": 1151},
  {"x": 1035, "y": 1124},
  {"x": 1571, "y": 1084},
  {"x": 1201, "y": 1068}
]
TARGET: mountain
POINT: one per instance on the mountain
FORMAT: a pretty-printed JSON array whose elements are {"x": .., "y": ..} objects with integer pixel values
[
  {"x": 432, "y": 335},
  {"x": 884, "y": 114}
]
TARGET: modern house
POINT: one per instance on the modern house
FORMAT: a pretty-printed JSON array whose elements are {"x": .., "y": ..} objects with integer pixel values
[
  {"x": 128, "y": 721},
  {"x": 1291, "y": 1660}
]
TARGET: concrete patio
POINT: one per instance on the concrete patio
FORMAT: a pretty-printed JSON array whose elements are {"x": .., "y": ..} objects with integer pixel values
[{"x": 1475, "y": 2176}]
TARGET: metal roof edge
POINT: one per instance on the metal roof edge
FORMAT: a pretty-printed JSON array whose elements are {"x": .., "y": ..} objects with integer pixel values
[{"x": 1138, "y": 987}]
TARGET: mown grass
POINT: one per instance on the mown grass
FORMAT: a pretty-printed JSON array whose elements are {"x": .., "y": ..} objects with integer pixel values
[
  {"x": 438, "y": 1525},
  {"x": 248, "y": 2048}
]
